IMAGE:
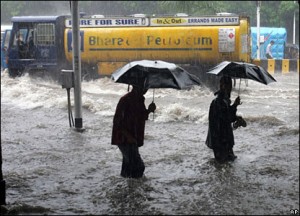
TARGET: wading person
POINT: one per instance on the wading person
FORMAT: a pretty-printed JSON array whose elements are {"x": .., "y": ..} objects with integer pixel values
[
  {"x": 129, "y": 128},
  {"x": 221, "y": 116}
]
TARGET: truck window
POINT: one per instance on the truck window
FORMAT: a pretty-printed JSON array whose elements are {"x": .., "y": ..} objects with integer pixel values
[
  {"x": 21, "y": 35},
  {"x": 19, "y": 42},
  {"x": 6, "y": 42},
  {"x": 45, "y": 34},
  {"x": 4, "y": 47},
  {"x": 3, "y": 29},
  {"x": 2, "y": 35}
]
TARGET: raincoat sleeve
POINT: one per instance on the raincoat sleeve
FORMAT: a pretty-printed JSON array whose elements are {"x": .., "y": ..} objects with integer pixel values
[
  {"x": 119, "y": 123},
  {"x": 213, "y": 138},
  {"x": 232, "y": 113}
]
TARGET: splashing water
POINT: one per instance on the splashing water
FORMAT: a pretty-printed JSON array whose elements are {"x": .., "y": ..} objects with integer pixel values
[{"x": 52, "y": 169}]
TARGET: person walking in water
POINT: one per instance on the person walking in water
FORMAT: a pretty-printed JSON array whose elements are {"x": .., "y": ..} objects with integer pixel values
[
  {"x": 129, "y": 128},
  {"x": 221, "y": 116}
]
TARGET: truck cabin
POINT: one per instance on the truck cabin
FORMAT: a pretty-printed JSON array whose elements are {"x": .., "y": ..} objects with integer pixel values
[
  {"x": 35, "y": 43},
  {"x": 30, "y": 33}
]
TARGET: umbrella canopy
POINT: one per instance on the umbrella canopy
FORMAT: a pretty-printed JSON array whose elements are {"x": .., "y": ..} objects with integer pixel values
[
  {"x": 242, "y": 70},
  {"x": 155, "y": 74}
]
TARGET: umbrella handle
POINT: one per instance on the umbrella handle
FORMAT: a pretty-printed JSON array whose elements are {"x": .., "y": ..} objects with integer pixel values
[
  {"x": 153, "y": 102},
  {"x": 239, "y": 87},
  {"x": 153, "y": 96}
]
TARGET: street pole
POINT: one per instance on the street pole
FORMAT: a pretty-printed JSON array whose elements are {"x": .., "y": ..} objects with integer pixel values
[
  {"x": 294, "y": 26},
  {"x": 76, "y": 64},
  {"x": 258, "y": 28},
  {"x": 2, "y": 181}
]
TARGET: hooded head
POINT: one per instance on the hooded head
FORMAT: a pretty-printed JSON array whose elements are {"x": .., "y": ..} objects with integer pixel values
[
  {"x": 140, "y": 85},
  {"x": 226, "y": 85}
]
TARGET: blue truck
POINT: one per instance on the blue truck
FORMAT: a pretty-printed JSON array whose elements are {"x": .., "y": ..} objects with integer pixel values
[{"x": 46, "y": 39}]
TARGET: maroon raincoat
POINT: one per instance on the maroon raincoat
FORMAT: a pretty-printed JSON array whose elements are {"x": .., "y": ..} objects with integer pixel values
[{"x": 130, "y": 117}]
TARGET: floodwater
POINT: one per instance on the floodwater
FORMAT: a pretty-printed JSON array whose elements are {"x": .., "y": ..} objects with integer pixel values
[{"x": 50, "y": 168}]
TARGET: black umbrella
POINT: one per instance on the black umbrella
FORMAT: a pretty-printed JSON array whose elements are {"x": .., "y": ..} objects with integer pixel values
[
  {"x": 242, "y": 70},
  {"x": 155, "y": 74}
]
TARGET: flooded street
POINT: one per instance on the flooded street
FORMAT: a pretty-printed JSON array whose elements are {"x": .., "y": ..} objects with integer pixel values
[{"x": 50, "y": 168}]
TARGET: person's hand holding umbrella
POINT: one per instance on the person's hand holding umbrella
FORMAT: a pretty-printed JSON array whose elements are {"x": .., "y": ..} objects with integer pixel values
[
  {"x": 151, "y": 107},
  {"x": 237, "y": 101},
  {"x": 239, "y": 119}
]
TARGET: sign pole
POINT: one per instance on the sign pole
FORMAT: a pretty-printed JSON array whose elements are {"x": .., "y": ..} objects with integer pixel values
[
  {"x": 76, "y": 64},
  {"x": 258, "y": 28}
]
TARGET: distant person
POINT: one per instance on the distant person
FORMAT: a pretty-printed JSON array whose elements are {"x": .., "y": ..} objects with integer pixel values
[
  {"x": 268, "y": 50},
  {"x": 220, "y": 128},
  {"x": 20, "y": 41},
  {"x": 129, "y": 128}
]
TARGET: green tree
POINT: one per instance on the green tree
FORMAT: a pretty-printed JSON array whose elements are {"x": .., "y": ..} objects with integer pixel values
[
  {"x": 189, "y": 7},
  {"x": 7, "y": 12}
]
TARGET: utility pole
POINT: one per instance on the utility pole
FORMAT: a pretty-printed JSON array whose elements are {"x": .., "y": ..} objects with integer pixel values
[
  {"x": 294, "y": 26},
  {"x": 258, "y": 3},
  {"x": 76, "y": 65}
]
